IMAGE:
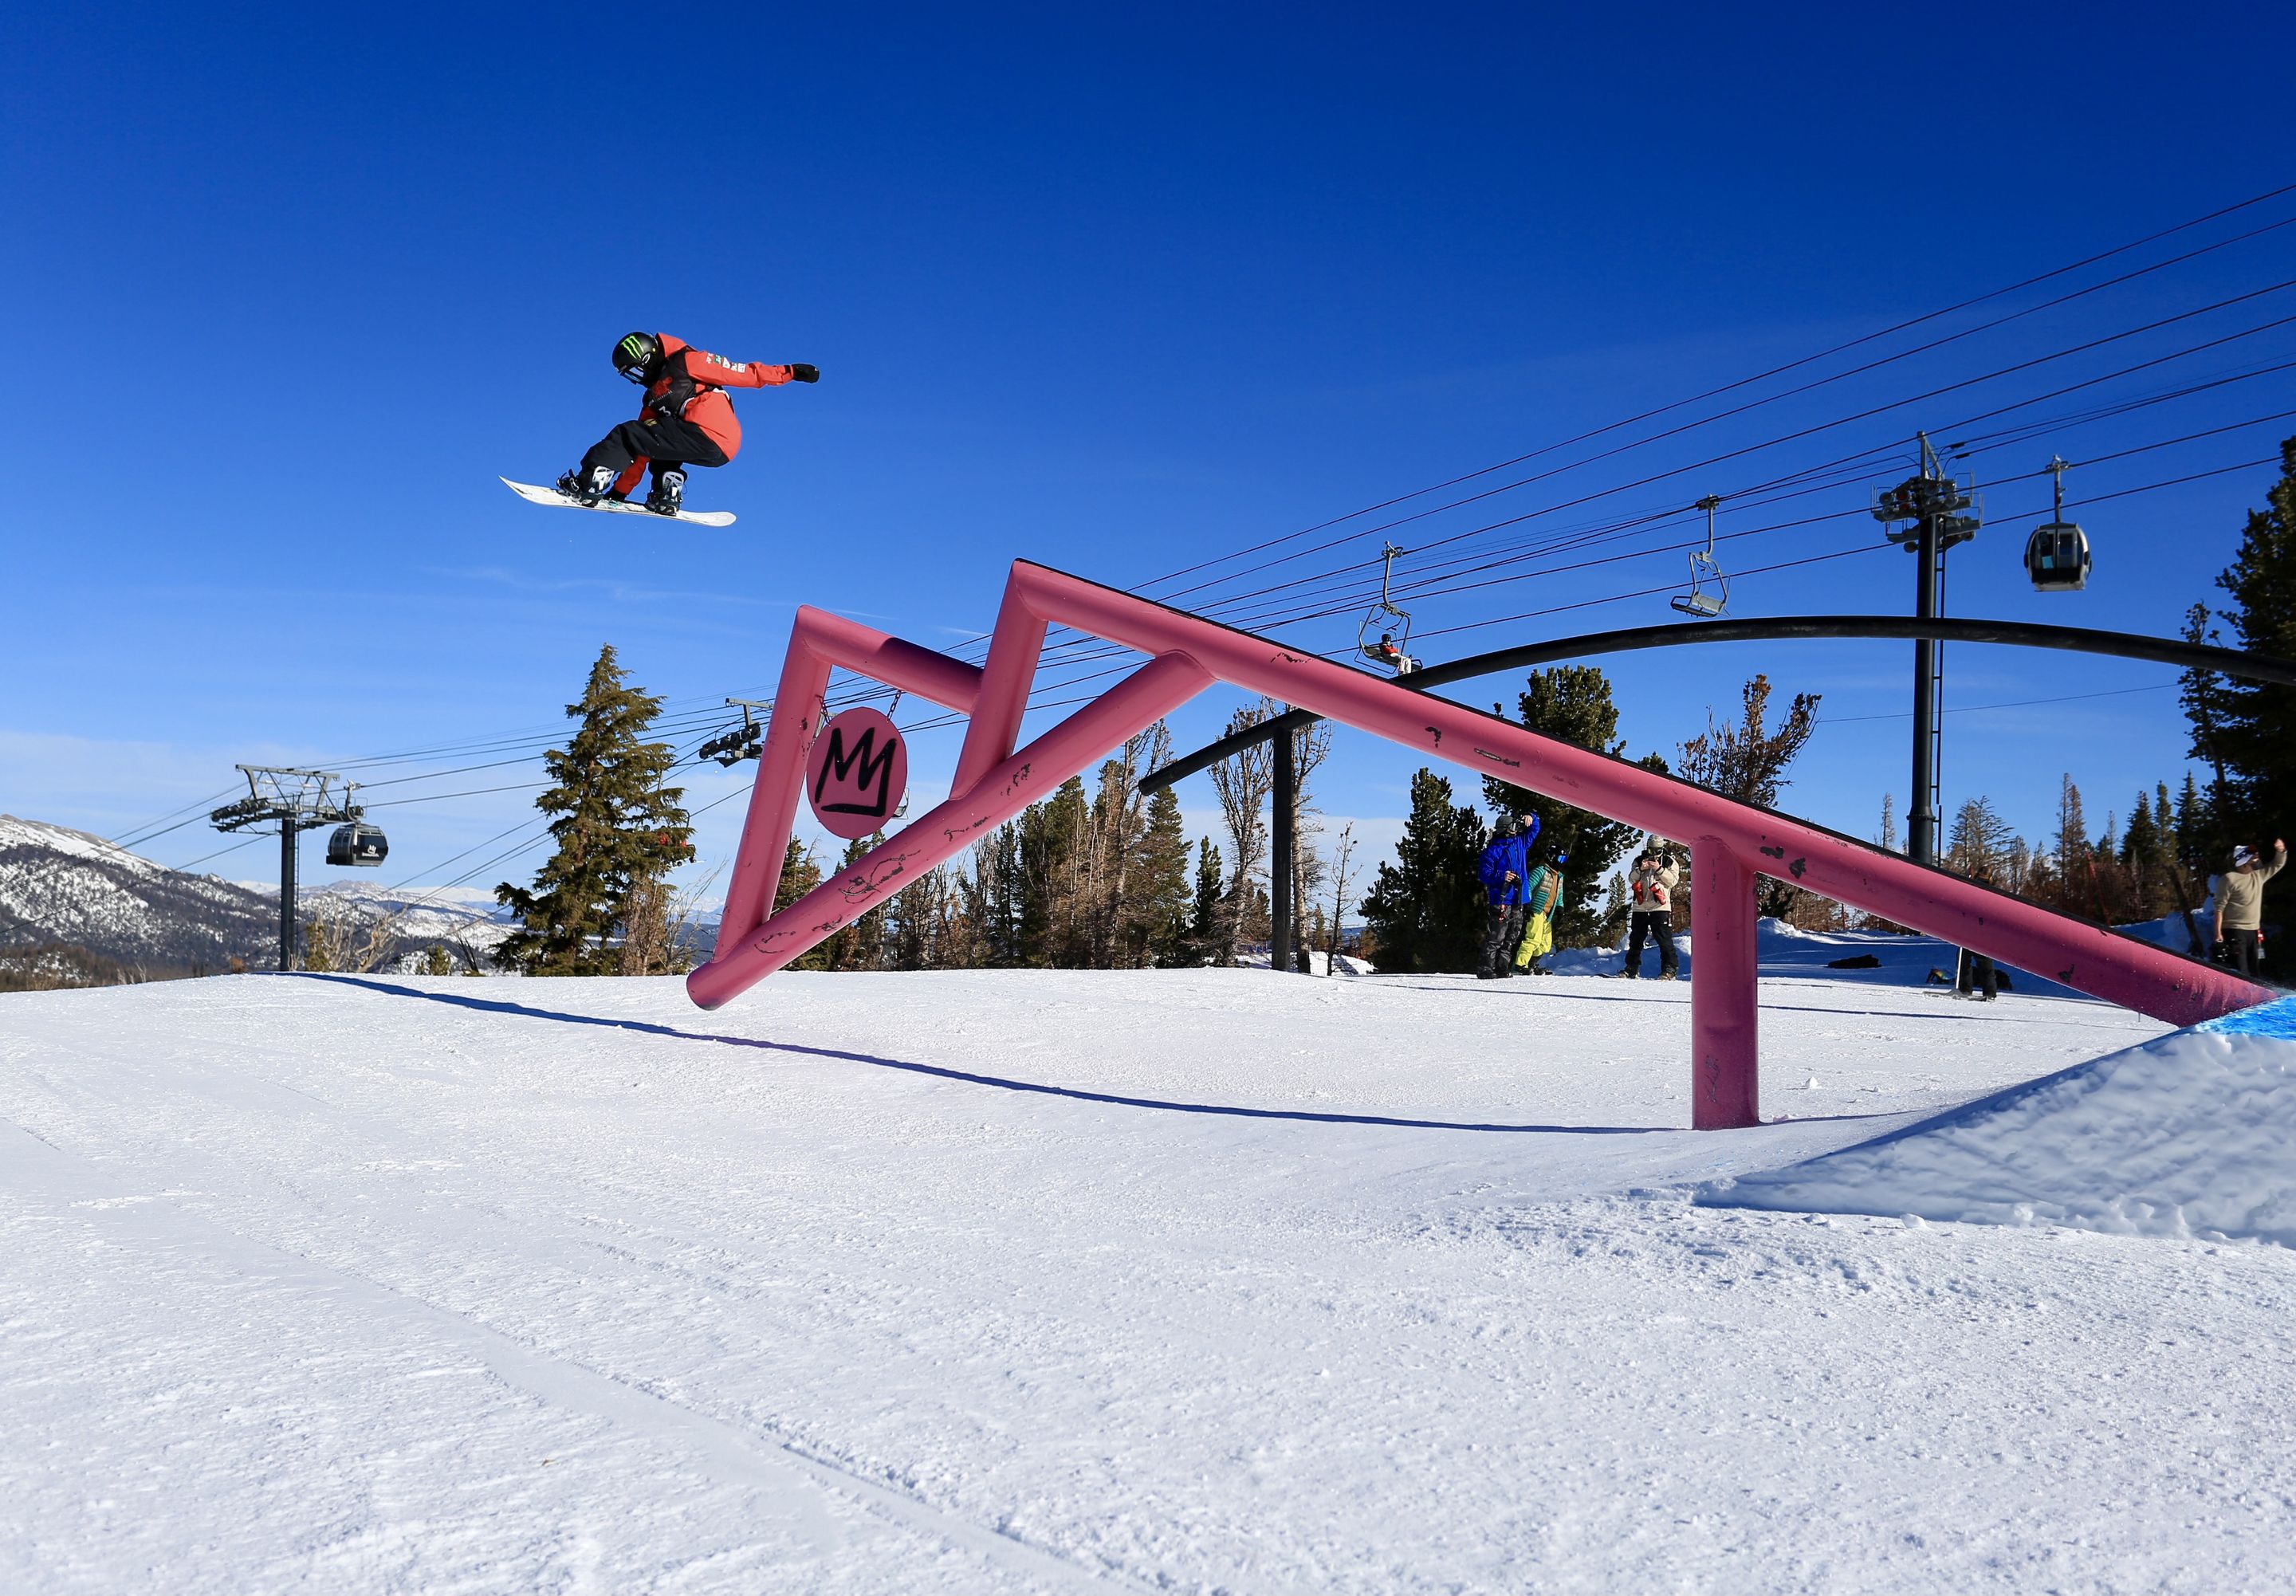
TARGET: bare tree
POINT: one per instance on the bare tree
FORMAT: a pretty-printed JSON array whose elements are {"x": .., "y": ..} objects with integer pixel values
[
  {"x": 1243, "y": 780},
  {"x": 659, "y": 926},
  {"x": 336, "y": 939},
  {"x": 1748, "y": 762},
  {"x": 1118, "y": 824},
  {"x": 1344, "y": 872},
  {"x": 1311, "y": 745}
]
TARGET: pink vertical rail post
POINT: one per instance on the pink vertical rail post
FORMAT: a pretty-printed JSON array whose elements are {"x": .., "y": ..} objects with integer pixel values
[
  {"x": 1731, "y": 841},
  {"x": 1725, "y": 1019}
]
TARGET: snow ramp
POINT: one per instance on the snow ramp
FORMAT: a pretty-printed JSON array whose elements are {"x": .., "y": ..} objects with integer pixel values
[{"x": 2192, "y": 1134}]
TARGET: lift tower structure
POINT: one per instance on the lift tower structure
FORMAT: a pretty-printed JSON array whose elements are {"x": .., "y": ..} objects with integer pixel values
[
  {"x": 299, "y": 800},
  {"x": 1943, "y": 513}
]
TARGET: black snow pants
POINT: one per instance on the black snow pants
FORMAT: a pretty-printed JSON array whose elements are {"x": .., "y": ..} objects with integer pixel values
[
  {"x": 2245, "y": 948},
  {"x": 664, "y": 439},
  {"x": 1978, "y": 974},
  {"x": 1645, "y": 925},
  {"x": 1502, "y": 934}
]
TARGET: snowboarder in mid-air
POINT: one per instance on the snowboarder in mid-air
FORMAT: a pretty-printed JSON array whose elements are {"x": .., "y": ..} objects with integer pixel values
[{"x": 686, "y": 420}]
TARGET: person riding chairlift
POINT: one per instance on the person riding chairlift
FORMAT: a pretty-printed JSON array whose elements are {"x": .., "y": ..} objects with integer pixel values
[{"x": 1388, "y": 654}]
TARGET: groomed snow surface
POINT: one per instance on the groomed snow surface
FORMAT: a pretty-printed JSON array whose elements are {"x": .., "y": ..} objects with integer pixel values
[{"x": 1210, "y": 1281}]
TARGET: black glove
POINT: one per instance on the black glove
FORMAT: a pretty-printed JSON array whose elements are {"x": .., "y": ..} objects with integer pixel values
[
  {"x": 801, "y": 372},
  {"x": 672, "y": 400}
]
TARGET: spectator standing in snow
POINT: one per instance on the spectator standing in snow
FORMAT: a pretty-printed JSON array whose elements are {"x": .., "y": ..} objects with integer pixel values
[
  {"x": 1542, "y": 895},
  {"x": 1650, "y": 895},
  {"x": 2239, "y": 904},
  {"x": 1503, "y": 869}
]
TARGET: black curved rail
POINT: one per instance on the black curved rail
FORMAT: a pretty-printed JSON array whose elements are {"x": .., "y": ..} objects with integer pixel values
[{"x": 2028, "y": 634}]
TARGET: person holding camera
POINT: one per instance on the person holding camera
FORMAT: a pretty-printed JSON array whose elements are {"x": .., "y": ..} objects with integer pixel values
[
  {"x": 1650, "y": 895},
  {"x": 2240, "y": 906}
]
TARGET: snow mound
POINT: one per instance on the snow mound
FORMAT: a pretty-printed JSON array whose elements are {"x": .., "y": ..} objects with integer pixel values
[{"x": 2193, "y": 1135}]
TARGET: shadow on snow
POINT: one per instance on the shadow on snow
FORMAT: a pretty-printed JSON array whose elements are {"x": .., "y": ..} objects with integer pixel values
[{"x": 1003, "y": 1083}]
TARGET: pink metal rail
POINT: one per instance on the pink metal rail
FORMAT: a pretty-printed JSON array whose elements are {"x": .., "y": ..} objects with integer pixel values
[{"x": 1730, "y": 842}]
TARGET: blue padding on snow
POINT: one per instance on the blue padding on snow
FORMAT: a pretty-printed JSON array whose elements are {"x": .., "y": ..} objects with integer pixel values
[{"x": 2276, "y": 1019}]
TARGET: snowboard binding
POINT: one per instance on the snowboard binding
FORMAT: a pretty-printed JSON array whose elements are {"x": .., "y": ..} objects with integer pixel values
[{"x": 593, "y": 486}]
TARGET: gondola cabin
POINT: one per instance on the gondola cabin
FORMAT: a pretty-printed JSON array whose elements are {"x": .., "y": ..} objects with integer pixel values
[
  {"x": 357, "y": 843},
  {"x": 2056, "y": 558}
]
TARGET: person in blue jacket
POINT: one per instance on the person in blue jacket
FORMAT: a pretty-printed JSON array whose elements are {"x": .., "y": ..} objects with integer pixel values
[{"x": 1503, "y": 870}]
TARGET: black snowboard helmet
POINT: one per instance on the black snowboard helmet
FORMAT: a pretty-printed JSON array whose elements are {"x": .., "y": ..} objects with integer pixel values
[{"x": 637, "y": 355}]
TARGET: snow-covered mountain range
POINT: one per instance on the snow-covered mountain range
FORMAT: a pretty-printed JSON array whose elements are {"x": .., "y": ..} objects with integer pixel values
[{"x": 66, "y": 889}]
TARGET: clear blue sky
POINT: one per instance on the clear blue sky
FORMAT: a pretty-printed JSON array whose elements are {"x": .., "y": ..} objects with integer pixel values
[{"x": 290, "y": 287}]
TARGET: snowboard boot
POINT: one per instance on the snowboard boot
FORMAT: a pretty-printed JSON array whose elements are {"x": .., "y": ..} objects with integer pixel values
[
  {"x": 589, "y": 486},
  {"x": 667, "y": 497}
]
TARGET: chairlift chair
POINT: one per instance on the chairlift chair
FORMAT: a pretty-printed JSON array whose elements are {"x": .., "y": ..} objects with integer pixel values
[
  {"x": 2057, "y": 556},
  {"x": 1393, "y": 623},
  {"x": 1710, "y": 589},
  {"x": 357, "y": 843}
]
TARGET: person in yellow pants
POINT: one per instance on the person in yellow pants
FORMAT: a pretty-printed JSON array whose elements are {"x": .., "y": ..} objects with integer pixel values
[{"x": 1542, "y": 897}]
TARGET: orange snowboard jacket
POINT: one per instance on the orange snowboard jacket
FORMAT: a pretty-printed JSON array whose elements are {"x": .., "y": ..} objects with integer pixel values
[{"x": 709, "y": 409}]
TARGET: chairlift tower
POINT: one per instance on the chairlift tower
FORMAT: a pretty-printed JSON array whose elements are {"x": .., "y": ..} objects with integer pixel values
[
  {"x": 1943, "y": 512},
  {"x": 299, "y": 800}
]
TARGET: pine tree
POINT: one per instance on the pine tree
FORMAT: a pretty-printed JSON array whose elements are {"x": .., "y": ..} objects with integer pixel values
[
  {"x": 1616, "y": 909},
  {"x": 994, "y": 897},
  {"x": 1053, "y": 835},
  {"x": 799, "y": 875},
  {"x": 2196, "y": 825},
  {"x": 1572, "y": 703},
  {"x": 1887, "y": 837},
  {"x": 1425, "y": 909},
  {"x": 2077, "y": 887},
  {"x": 861, "y": 945},
  {"x": 2147, "y": 854},
  {"x": 1118, "y": 833},
  {"x": 2248, "y": 728},
  {"x": 616, "y": 826},
  {"x": 1206, "y": 913},
  {"x": 1157, "y": 900}
]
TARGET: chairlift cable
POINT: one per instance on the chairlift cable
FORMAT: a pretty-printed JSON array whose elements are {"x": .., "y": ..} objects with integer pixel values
[{"x": 1758, "y": 377}]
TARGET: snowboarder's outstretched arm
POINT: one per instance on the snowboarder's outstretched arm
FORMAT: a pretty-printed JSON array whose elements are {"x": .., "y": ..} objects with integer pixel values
[{"x": 718, "y": 371}]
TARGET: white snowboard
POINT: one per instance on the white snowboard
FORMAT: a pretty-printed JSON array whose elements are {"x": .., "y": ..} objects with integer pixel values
[{"x": 550, "y": 495}]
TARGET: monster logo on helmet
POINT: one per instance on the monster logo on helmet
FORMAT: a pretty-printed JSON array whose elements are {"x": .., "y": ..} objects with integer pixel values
[{"x": 637, "y": 355}]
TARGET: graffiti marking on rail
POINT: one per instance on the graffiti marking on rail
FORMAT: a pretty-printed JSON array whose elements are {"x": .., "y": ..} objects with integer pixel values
[
  {"x": 1500, "y": 759},
  {"x": 869, "y": 883}
]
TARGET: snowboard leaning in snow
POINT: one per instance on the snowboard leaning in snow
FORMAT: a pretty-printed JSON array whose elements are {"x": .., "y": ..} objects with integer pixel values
[{"x": 550, "y": 495}]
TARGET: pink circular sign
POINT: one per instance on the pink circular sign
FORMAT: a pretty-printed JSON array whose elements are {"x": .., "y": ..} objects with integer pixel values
[{"x": 856, "y": 775}]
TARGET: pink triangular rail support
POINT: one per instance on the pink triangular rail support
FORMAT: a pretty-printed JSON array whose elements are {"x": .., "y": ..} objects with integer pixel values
[{"x": 1731, "y": 842}]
